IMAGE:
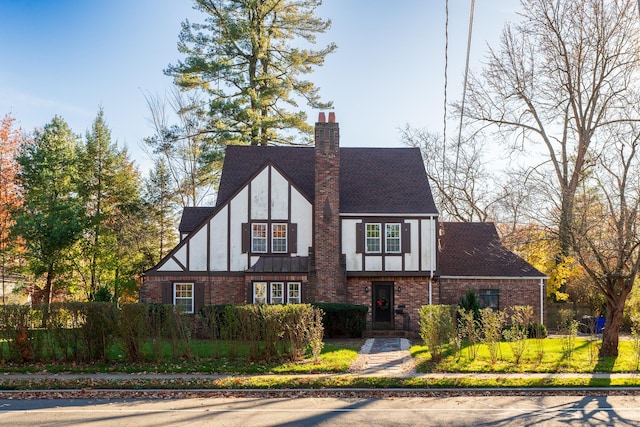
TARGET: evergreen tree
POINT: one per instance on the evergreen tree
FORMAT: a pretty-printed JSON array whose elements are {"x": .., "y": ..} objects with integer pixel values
[
  {"x": 246, "y": 57},
  {"x": 51, "y": 219},
  {"x": 109, "y": 187}
]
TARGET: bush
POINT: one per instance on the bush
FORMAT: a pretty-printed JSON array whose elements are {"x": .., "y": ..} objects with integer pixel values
[
  {"x": 272, "y": 331},
  {"x": 437, "y": 327},
  {"x": 537, "y": 330},
  {"x": 471, "y": 302},
  {"x": 343, "y": 320}
]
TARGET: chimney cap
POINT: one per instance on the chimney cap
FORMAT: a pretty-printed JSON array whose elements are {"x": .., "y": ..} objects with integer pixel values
[
  {"x": 321, "y": 117},
  {"x": 332, "y": 117}
]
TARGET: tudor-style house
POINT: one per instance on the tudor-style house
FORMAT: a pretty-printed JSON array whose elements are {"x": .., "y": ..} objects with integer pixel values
[{"x": 335, "y": 224}]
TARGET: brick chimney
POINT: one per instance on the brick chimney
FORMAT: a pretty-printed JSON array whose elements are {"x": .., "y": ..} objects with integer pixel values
[{"x": 328, "y": 273}]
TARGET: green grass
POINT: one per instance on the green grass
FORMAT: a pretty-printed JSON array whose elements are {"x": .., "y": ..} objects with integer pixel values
[
  {"x": 204, "y": 356},
  {"x": 552, "y": 358}
]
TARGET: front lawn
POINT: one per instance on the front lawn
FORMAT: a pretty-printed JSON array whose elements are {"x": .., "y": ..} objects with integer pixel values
[
  {"x": 202, "y": 356},
  {"x": 547, "y": 355}
]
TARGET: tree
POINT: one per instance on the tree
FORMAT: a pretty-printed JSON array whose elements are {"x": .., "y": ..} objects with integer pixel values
[
  {"x": 559, "y": 79},
  {"x": 109, "y": 187},
  {"x": 246, "y": 58},
  {"x": 462, "y": 182},
  {"x": 160, "y": 199},
  {"x": 51, "y": 218},
  {"x": 605, "y": 233},
  {"x": 192, "y": 160},
  {"x": 10, "y": 195}
]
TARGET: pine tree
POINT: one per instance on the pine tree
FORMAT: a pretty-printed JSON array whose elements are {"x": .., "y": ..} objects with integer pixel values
[
  {"x": 246, "y": 58},
  {"x": 52, "y": 217}
]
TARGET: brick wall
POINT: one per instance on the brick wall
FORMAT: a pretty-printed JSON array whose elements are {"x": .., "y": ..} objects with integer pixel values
[
  {"x": 328, "y": 275},
  {"x": 217, "y": 289},
  {"x": 414, "y": 294},
  {"x": 511, "y": 291}
]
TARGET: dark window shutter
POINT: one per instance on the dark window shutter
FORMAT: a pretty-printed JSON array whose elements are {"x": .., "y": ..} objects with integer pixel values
[
  {"x": 359, "y": 238},
  {"x": 304, "y": 292},
  {"x": 198, "y": 296},
  {"x": 293, "y": 238},
  {"x": 246, "y": 238},
  {"x": 406, "y": 237},
  {"x": 167, "y": 293},
  {"x": 250, "y": 293}
]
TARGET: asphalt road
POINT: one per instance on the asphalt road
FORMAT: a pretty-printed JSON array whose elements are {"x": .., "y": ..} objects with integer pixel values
[{"x": 409, "y": 411}]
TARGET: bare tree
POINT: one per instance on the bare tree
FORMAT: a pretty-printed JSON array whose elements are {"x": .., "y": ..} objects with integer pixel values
[
  {"x": 605, "y": 233},
  {"x": 558, "y": 78},
  {"x": 464, "y": 188},
  {"x": 192, "y": 160}
]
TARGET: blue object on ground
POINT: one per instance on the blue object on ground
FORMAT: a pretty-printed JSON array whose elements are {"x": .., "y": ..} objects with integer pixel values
[{"x": 599, "y": 324}]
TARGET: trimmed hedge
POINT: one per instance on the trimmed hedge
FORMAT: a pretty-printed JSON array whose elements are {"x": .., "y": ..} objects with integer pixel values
[{"x": 343, "y": 320}]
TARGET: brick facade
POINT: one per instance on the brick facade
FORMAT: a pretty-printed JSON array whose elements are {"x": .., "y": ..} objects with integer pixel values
[
  {"x": 328, "y": 274},
  {"x": 512, "y": 291},
  {"x": 217, "y": 289},
  {"x": 413, "y": 294}
]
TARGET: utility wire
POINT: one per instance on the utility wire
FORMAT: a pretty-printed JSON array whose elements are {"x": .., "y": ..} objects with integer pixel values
[
  {"x": 464, "y": 87},
  {"x": 446, "y": 64}
]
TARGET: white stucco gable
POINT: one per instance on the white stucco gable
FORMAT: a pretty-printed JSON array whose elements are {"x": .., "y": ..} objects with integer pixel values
[{"x": 219, "y": 243}]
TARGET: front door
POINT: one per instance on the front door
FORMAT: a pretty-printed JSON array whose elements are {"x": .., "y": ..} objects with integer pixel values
[{"x": 382, "y": 305}]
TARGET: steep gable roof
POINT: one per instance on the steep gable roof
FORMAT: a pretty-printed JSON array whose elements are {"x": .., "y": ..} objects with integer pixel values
[
  {"x": 372, "y": 180},
  {"x": 474, "y": 249},
  {"x": 192, "y": 217}
]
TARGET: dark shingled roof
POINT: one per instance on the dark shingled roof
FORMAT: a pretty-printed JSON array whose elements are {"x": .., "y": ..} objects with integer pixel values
[
  {"x": 281, "y": 264},
  {"x": 474, "y": 249},
  {"x": 372, "y": 180},
  {"x": 193, "y": 217}
]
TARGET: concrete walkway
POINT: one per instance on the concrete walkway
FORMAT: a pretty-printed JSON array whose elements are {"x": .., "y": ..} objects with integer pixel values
[{"x": 384, "y": 357}]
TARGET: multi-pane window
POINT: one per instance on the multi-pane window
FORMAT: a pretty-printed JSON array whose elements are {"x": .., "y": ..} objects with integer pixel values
[
  {"x": 373, "y": 239},
  {"x": 260, "y": 292},
  {"x": 489, "y": 298},
  {"x": 393, "y": 238},
  {"x": 293, "y": 292},
  {"x": 259, "y": 237},
  {"x": 279, "y": 238},
  {"x": 183, "y": 297},
  {"x": 277, "y": 293}
]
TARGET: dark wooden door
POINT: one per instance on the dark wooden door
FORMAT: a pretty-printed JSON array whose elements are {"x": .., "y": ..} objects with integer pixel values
[{"x": 382, "y": 304}]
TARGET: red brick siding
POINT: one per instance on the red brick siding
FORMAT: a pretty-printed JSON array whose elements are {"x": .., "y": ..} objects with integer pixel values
[
  {"x": 414, "y": 294},
  {"x": 217, "y": 290},
  {"x": 511, "y": 291},
  {"x": 328, "y": 277}
]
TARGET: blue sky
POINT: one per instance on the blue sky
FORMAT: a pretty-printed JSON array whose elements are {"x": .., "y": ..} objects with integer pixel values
[{"x": 68, "y": 57}]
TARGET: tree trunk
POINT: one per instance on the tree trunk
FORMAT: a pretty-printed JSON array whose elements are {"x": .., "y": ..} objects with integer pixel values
[
  {"x": 48, "y": 293},
  {"x": 611, "y": 331}
]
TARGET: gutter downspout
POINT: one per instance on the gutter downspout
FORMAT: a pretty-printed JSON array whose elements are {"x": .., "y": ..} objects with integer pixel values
[
  {"x": 431, "y": 283},
  {"x": 542, "y": 300}
]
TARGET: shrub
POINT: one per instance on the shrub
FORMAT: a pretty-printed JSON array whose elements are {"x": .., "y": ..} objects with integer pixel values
[
  {"x": 133, "y": 320},
  {"x": 437, "y": 327},
  {"x": 343, "y": 320},
  {"x": 537, "y": 330},
  {"x": 492, "y": 326},
  {"x": 518, "y": 332},
  {"x": 471, "y": 303}
]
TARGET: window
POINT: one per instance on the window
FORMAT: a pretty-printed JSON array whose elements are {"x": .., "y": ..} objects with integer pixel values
[
  {"x": 260, "y": 293},
  {"x": 489, "y": 298},
  {"x": 373, "y": 238},
  {"x": 277, "y": 293},
  {"x": 259, "y": 237},
  {"x": 279, "y": 238},
  {"x": 393, "y": 238},
  {"x": 183, "y": 297},
  {"x": 293, "y": 292}
]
